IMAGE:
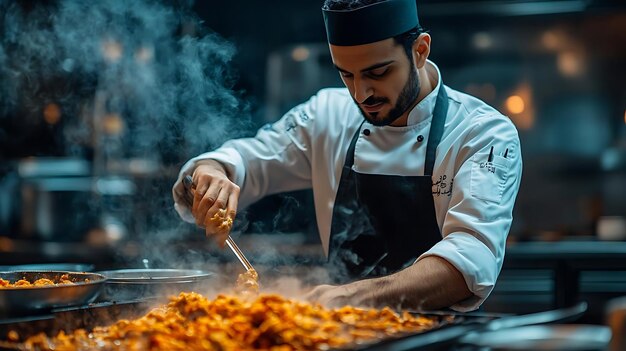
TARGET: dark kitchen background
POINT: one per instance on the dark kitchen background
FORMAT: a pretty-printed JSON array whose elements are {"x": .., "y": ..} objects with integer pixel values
[{"x": 101, "y": 104}]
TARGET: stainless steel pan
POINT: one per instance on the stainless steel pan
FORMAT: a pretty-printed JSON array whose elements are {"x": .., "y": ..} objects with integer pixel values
[
  {"x": 137, "y": 284},
  {"x": 67, "y": 267},
  {"x": 85, "y": 289}
]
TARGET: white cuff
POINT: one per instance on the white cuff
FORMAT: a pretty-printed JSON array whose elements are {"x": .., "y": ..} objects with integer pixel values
[{"x": 228, "y": 157}]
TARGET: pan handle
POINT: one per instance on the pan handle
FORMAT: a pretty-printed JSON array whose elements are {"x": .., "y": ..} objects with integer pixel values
[{"x": 557, "y": 315}]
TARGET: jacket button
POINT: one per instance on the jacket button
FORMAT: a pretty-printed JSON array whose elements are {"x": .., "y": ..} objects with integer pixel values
[
  {"x": 420, "y": 138},
  {"x": 366, "y": 132}
]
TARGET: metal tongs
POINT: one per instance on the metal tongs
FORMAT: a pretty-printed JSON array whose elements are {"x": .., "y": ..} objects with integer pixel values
[{"x": 190, "y": 186}]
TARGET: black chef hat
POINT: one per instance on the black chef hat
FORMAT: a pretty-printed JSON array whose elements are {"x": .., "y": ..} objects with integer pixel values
[{"x": 370, "y": 23}]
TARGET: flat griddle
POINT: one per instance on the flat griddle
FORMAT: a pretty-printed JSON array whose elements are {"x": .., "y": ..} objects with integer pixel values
[{"x": 450, "y": 327}]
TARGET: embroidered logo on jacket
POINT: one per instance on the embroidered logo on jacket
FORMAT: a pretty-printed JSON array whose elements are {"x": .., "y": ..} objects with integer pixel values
[{"x": 442, "y": 186}]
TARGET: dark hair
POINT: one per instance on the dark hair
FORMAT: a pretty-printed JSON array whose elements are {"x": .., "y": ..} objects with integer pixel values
[{"x": 405, "y": 39}]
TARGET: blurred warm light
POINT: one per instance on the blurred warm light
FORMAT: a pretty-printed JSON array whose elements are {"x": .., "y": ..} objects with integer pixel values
[
  {"x": 515, "y": 104},
  {"x": 551, "y": 40},
  {"x": 112, "y": 124},
  {"x": 570, "y": 63},
  {"x": 52, "y": 113},
  {"x": 112, "y": 50},
  {"x": 482, "y": 40},
  {"x": 520, "y": 106},
  {"x": 6, "y": 244},
  {"x": 300, "y": 53},
  {"x": 144, "y": 54},
  {"x": 624, "y": 117},
  {"x": 557, "y": 39}
]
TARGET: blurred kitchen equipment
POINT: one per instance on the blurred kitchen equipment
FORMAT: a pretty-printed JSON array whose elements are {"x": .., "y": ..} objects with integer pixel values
[
  {"x": 523, "y": 332},
  {"x": 294, "y": 73},
  {"x": 229, "y": 241},
  {"x": 562, "y": 337},
  {"x": 62, "y": 201},
  {"x": 517, "y": 324},
  {"x": 137, "y": 284},
  {"x": 9, "y": 193},
  {"x": 611, "y": 228},
  {"x": 49, "y": 188},
  {"x": 22, "y": 300},
  {"x": 558, "y": 315}
]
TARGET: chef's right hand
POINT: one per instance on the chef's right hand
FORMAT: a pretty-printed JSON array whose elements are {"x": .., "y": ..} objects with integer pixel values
[{"x": 214, "y": 191}]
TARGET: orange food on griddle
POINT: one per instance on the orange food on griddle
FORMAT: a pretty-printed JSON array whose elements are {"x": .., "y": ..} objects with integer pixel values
[{"x": 269, "y": 322}]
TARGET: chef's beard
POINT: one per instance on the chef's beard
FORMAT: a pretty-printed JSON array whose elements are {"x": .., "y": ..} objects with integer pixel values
[{"x": 407, "y": 97}]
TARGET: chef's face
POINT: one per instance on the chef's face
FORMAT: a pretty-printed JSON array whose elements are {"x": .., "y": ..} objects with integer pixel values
[{"x": 382, "y": 80}]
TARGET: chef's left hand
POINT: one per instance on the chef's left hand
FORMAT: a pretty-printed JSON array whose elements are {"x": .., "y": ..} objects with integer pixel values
[{"x": 334, "y": 295}]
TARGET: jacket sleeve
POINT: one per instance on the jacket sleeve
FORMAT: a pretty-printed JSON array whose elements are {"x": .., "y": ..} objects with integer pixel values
[
  {"x": 479, "y": 215},
  {"x": 276, "y": 159}
]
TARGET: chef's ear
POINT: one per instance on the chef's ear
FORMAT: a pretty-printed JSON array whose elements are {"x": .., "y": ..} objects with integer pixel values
[{"x": 421, "y": 50}]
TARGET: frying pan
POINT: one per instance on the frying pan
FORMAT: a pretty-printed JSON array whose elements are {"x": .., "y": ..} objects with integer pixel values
[
  {"x": 68, "y": 267},
  {"x": 19, "y": 300},
  {"x": 136, "y": 284}
]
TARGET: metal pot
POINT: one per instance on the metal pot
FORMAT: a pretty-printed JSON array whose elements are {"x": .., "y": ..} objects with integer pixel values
[
  {"x": 68, "y": 267},
  {"x": 137, "y": 284},
  {"x": 61, "y": 200},
  {"x": 22, "y": 300}
]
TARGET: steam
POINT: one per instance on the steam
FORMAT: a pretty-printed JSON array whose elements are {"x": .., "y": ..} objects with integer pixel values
[
  {"x": 131, "y": 80},
  {"x": 285, "y": 213},
  {"x": 351, "y": 220},
  {"x": 153, "y": 67},
  {"x": 136, "y": 84}
]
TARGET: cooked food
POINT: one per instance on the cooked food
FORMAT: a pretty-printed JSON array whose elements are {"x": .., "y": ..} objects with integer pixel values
[
  {"x": 223, "y": 220},
  {"x": 270, "y": 322},
  {"x": 248, "y": 283},
  {"x": 63, "y": 280}
]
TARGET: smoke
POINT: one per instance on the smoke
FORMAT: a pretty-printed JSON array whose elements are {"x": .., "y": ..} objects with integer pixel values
[
  {"x": 145, "y": 81},
  {"x": 145, "y": 72},
  {"x": 138, "y": 87}
]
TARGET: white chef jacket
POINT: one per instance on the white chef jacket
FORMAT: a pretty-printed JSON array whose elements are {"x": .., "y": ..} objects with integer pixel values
[{"x": 473, "y": 198}]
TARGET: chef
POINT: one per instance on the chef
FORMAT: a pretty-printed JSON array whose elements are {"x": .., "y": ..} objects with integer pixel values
[{"x": 413, "y": 182}]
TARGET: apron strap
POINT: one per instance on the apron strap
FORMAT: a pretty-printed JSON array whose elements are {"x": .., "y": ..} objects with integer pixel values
[
  {"x": 436, "y": 129},
  {"x": 350, "y": 155}
]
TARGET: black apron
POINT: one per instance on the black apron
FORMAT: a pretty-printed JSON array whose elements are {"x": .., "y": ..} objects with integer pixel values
[{"x": 382, "y": 223}]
